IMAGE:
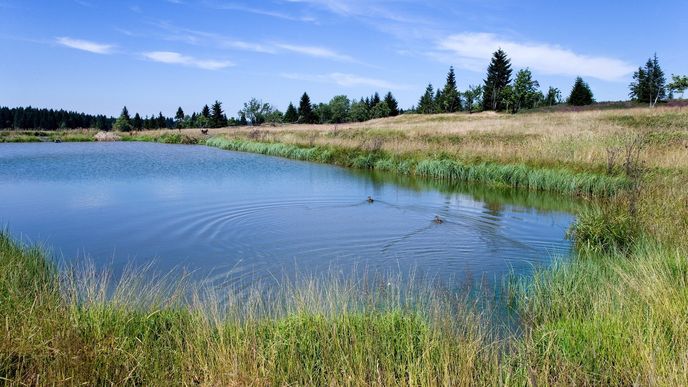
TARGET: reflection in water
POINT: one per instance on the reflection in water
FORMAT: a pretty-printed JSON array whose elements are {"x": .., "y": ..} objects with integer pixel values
[{"x": 242, "y": 218}]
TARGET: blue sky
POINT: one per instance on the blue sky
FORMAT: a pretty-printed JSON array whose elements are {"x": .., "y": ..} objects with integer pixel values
[{"x": 96, "y": 56}]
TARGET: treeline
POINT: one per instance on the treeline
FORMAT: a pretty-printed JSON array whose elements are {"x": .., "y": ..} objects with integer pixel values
[
  {"x": 49, "y": 119},
  {"x": 208, "y": 117},
  {"x": 339, "y": 109},
  {"x": 499, "y": 92}
]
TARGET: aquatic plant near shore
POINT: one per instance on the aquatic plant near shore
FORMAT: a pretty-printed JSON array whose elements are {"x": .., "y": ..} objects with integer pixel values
[{"x": 516, "y": 175}]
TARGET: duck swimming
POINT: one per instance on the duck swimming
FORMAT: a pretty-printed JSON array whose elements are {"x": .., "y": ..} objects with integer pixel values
[
  {"x": 370, "y": 199},
  {"x": 438, "y": 220}
]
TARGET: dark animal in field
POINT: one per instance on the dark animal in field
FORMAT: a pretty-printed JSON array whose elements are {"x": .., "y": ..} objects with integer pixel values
[
  {"x": 204, "y": 131},
  {"x": 438, "y": 220},
  {"x": 370, "y": 199}
]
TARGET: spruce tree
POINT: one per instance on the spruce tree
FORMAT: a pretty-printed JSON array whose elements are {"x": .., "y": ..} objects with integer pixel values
[
  {"x": 426, "y": 103},
  {"x": 450, "y": 100},
  {"x": 306, "y": 115},
  {"x": 580, "y": 94},
  {"x": 123, "y": 122},
  {"x": 649, "y": 83},
  {"x": 392, "y": 104},
  {"x": 162, "y": 122},
  {"x": 291, "y": 115},
  {"x": 374, "y": 100},
  {"x": 217, "y": 117},
  {"x": 205, "y": 112},
  {"x": 498, "y": 77},
  {"x": 137, "y": 122},
  {"x": 179, "y": 117}
]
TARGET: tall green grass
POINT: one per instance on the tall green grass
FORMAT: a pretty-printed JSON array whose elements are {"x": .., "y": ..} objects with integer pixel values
[
  {"x": 81, "y": 326},
  {"x": 602, "y": 319},
  {"x": 511, "y": 175}
]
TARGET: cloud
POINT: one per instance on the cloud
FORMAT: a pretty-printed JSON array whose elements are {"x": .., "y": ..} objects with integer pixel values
[
  {"x": 471, "y": 50},
  {"x": 85, "y": 45},
  {"x": 345, "y": 80},
  {"x": 314, "y": 51},
  {"x": 171, "y": 57},
  {"x": 263, "y": 12}
]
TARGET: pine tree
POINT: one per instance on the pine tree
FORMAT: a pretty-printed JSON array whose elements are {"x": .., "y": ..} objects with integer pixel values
[
  {"x": 374, "y": 100},
  {"x": 291, "y": 115},
  {"x": 498, "y": 77},
  {"x": 123, "y": 122},
  {"x": 217, "y": 117},
  {"x": 205, "y": 112},
  {"x": 137, "y": 122},
  {"x": 179, "y": 118},
  {"x": 450, "y": 100},
  {"x": 392, "y": 104},
  {"x": 580, "y": 94},
  {"x": 649, "y": 83},
  {"x": 426, "y": 104},
  {"x": 162, "y": 122},
  {"x": 306, "y": 115}
]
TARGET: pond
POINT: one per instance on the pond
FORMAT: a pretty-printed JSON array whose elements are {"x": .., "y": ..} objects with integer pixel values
[{"x": 240, "y": 217}]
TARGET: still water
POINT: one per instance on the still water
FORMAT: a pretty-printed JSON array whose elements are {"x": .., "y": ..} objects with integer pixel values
[{"x": 241, "y": 217}]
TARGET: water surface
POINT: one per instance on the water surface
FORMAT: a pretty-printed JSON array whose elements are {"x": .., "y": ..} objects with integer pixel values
[{"x": 238, "y": 216}]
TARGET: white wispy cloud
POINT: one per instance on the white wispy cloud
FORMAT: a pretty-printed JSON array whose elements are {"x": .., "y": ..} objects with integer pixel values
[
  {"x": 345, "y": 80},
  {"x": 171, "y": 57},
  {"x": 473, "y": 50},
  {"x": 315, "y": 51},
  {"x": 85, "y": 45},
  {"x": 263, "y": 12}
]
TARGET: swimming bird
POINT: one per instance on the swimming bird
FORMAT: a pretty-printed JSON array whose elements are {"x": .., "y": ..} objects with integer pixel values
[
  {"x": 438, "y": 220},
  {"x": 370, "y": 199}
]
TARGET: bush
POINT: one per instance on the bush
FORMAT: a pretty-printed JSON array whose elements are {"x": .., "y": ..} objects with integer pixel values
[{"x": 604, "y": 229}]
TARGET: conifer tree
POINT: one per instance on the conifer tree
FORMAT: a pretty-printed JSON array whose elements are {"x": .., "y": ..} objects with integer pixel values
[
  {"x": 217, "y": 117},
  {"x": 649, "y": 83},
  {"x": 123, "y": 122},
  {"x": 306, "y": 115},
  {"x": 205, "y": 112},
  {"x": 498, "y": 77},
  {"x": 137, "y": 122},
  {"x": 450, "y": 99},
  {"x": 580, "y": 94},
  {"x": 426, "y": 103},
  {"x": 162, "y": 122},
  {"x": 392, "y": 104},
  {"x": 179, "y": 117},
  {"x": 291, "y": 115},
  {"x": 374, "y": 100}
]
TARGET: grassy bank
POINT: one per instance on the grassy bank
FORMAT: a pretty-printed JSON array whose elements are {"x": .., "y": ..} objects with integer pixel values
[
  {"x": 76, "y": 135},
  {"x": 602, "y": 319},
  {"x": 516, "y": 175}
]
